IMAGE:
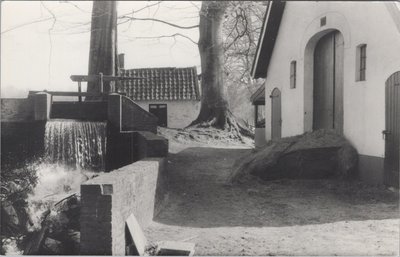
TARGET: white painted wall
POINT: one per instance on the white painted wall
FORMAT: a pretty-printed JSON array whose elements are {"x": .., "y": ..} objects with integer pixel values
[
  {"x": 180, "y": 113},
  {"x": 364, "y": 102}
]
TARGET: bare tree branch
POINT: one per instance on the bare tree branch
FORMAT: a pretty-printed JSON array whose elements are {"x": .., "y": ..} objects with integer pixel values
[
  {"x": 168, "y": 36},
  {"x": 157, "y": 20},
  {"x": 26, "y": 24},
  {"x": 50, "y": 40},
  {"x": 143, "y": 8}
]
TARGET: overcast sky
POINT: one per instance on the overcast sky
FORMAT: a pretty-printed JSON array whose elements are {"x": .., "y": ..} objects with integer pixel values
[{"x": 31, "y": 59}]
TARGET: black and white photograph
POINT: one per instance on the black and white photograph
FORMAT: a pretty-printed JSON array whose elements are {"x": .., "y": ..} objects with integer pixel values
[{"x": 200, "y": 128}]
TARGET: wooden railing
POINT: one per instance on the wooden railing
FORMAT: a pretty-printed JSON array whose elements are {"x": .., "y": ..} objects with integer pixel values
[{"x": 72, "y": 93}]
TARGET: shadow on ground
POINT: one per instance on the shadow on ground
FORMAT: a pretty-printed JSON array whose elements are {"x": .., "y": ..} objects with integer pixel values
[{"x": 200, "y": 198}]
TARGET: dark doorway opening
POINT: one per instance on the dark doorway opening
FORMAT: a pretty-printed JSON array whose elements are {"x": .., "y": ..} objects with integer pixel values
[{"x": 160, "y": 111}]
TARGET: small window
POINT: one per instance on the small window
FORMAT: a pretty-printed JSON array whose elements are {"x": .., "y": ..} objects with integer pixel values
[
  {"x": 293, "y": 74},
  {"x": 323, "y": 21},
  {"x": 361, "y": 62}
]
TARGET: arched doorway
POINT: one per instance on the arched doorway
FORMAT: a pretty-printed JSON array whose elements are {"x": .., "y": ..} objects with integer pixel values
[
  {"x": 392, "y": 130},
  {"x": 276, "y": 114},
  {"x": 328, "y": 82}
]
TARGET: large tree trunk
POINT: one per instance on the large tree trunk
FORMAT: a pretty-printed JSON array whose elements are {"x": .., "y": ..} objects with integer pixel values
[
  {"x": 214, "y": 109},
  {"x": 214, "y": 106},
  {"x": 103, "y": 44}
]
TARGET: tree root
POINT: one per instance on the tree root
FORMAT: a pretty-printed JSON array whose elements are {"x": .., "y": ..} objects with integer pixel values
[{"x": 225, "y": 121}]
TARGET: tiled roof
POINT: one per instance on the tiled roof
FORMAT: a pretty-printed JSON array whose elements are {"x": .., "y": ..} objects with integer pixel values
[
  {"x": 172, "y": 84},
  {"x": 258, "y": 97}
]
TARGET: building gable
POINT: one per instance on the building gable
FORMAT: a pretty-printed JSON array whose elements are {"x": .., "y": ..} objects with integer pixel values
[
  {"x": 267, "y": 39},
  {"x": 273, "y": 22}
]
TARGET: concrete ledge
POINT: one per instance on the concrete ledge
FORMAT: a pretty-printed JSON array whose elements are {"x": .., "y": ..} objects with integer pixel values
[
  {"x": 42, "y": 106},
  {"x": 109, "y": 199},
  {"x": 371, "y": 169},
  {"x": 151, "y": 145},
  {"x": 172, "y": 248}
]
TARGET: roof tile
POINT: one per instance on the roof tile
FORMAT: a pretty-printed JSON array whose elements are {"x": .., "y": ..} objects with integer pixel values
[{"x": 161, "y": 84}]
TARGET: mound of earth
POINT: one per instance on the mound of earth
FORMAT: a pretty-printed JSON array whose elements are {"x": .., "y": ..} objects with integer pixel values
[{"x": 313, "y": 155}]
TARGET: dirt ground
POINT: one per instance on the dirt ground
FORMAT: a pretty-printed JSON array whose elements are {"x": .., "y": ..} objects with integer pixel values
[{"x": 285, "y": 217}]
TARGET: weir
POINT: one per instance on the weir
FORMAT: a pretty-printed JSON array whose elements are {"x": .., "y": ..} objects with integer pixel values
[
  {"x": 113, "y": 136},
  {"x": 79, "y": 144},
  {"x": 93, "y": 135}
]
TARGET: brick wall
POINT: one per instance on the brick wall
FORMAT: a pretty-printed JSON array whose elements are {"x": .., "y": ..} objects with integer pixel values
[{"x": 109, "y": 199}]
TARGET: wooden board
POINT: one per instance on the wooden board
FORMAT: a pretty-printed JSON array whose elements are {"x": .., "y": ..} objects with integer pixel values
[
  {"x": 137, "y": 235},
  {"x": 328, "y": 82},
  {"x": 392, "y": 130},
  {"x": 276, "y": 114}
]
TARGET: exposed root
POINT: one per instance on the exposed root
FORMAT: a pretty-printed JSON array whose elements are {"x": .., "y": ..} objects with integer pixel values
[{"x": 224, "y": 120}]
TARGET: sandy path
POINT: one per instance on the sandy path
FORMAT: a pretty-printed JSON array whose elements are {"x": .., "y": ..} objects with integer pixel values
[{"x": 274, "y": 218}]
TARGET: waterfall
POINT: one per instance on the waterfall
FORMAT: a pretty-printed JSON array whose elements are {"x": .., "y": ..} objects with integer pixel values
[{"x": 80, "y": 144}]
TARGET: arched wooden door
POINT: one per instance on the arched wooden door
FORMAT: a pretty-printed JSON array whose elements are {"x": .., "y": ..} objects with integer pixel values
[
  {"x": 392, "y": 130},
  {"x": 328, "y": 82},
  {"x": 276, "y": 114}
]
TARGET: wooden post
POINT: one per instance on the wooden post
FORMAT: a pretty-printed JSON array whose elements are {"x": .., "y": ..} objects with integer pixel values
[
  {"x": 101, "y": 82},
  {"x": 255, "y": 115},
  {"x": 79, "y": 91}
]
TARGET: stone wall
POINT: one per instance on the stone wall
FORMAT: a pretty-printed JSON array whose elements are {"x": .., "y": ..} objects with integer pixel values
[{"x": 109, "y": 199}]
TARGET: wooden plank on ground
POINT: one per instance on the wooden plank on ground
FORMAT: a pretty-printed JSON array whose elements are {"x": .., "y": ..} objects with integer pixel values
[{"x": 139, "y": 240}]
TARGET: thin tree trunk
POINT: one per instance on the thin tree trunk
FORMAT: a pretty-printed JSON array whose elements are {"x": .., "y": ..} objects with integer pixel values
[{"x": 103, "y": 44}]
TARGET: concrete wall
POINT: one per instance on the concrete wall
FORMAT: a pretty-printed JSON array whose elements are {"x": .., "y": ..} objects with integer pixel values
[
  {"x": 364, "y": 101},
  {"x": 109, "y": 199},
  {"x": 17, "y": 109},
  {"x": 93, "y": 111},
  {"x": 128, "y": 147},
  {"x": 126, "y": 115},
  {"x": 21, "y": 142},
  {"x": 22, "y": 129},
  {"x": 259, "y": 137},
  {"x": 180, "y": 113}
]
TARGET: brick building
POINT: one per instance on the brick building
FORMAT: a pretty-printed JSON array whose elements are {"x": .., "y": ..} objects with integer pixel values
[{"x": 172, "y": 94}]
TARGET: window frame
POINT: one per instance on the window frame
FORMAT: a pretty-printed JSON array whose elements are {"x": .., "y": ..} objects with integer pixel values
[
  {"x": 361, "y": 62},
  {"x": 293, "y": 74}
]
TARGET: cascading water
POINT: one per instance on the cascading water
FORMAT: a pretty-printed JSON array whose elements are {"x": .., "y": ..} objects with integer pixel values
[
  {"x": 74, "y": 152},
  {"x": 80, "y": 144}
]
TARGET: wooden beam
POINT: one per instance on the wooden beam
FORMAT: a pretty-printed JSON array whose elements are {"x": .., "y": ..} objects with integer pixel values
[
  {"x": 68, "y": 93},
  {"x": 95, "y": 78}
]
